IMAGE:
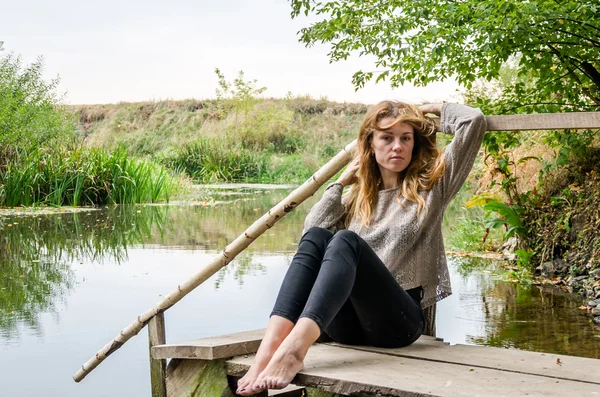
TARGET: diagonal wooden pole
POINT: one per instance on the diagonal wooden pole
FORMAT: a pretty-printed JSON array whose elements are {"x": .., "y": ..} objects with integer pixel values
[
  {"x": 264, "y": 223},
  {"x": 547, "y": 121}
]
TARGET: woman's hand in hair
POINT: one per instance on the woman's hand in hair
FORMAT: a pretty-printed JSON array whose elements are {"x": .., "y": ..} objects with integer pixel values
[
  {"x": 433, "y": 108},
  {"x": 348, "y": 177}
]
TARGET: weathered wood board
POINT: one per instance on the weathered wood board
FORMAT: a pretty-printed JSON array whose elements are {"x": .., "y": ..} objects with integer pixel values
[
  {"x": 197, "y": 378},
  {"x": 156, "y": 336},
  {"x": 212, "y": 348},
  {"x": 216, "y": 347},
  {"x": 557, "y": 366},
  {"x": 542, "y": 121},
  {"x": 355, "y": 372},
  {"x": 427, "y": 367}
]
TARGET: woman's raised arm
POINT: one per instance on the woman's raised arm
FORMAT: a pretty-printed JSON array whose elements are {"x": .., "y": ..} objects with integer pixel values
[{"x": 468, "y": 125}]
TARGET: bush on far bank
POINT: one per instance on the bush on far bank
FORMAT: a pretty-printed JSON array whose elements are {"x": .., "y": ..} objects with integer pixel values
[{"x": 42, "y": 160}]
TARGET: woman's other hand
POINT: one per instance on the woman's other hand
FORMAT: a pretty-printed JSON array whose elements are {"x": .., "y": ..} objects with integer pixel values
[
  {"x": 433, "y": 108},
  {"x": 348, "y": 177}
]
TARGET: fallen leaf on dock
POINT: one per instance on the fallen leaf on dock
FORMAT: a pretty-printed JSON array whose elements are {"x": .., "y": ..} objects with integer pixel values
[{"x": 558, "y": 362}]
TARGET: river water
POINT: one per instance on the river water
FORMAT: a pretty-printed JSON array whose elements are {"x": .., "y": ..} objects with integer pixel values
[{"x": 71, "y": 281}]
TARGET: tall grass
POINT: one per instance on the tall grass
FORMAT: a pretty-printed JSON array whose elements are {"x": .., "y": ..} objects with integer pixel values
[
  {"x": 83, "y": 177},
  {"x": 210, "y": 160}
]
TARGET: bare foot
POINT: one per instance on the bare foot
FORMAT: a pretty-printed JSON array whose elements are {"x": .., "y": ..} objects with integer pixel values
[
  {"x": 288, "y": 360},
  {"x": 282, "y": 368},
  {"x": 277, "y": 330},
  {"x": 245, "y": 383}
]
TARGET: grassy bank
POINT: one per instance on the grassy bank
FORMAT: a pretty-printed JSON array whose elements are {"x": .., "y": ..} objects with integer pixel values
[{"x": 273, "y": 140}]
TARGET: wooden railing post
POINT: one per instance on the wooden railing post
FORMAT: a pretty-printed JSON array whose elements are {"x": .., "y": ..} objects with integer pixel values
[{"x": 158, "y": 367}]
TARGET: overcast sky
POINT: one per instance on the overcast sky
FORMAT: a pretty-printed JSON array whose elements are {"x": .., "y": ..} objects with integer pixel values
[{"x": 133, "y": 50}]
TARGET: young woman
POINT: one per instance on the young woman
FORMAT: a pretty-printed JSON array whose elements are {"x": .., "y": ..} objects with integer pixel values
[{"x": 370, "y": 262}]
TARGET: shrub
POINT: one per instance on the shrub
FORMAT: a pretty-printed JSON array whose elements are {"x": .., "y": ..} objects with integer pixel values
[{"x": 30, "y": 111}]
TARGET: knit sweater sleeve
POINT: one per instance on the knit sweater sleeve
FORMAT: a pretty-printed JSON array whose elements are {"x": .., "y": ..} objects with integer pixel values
[
  {"x": 468, "y": 125},
  {"x": 328, "y": 211}
]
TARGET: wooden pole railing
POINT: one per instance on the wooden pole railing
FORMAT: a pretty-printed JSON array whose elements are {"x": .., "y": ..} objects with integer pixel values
[
  {"x": 227, "y": 255},
  {"x": 587, "y": 120}
]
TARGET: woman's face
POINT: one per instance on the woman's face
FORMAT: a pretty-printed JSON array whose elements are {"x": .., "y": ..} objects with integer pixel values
[{"x": 393, "y": 146}]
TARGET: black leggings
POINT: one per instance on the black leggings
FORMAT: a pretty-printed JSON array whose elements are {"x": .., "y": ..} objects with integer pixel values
[{"x": 341, "y": 284}]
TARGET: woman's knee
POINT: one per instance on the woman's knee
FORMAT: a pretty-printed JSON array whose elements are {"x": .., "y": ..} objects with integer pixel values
[
  {"x": 344, "y": 243},
  {"x": 317, "y": 234},
  {"x": 346, "y": 236}
]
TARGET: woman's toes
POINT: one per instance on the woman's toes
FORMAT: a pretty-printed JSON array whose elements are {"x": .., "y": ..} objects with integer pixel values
[{"x": 257, "y": 386}]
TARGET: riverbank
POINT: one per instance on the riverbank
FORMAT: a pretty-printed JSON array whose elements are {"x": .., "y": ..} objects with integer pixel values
[{"x": 272, "y": 141}]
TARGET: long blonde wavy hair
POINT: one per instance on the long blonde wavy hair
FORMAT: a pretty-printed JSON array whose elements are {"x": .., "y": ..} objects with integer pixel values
[{"x": 425, "y": 169}]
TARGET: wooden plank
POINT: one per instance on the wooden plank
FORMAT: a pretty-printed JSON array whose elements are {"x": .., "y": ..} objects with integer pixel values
[
  {"x": 212, "y": 348},
  {"x": 353, "y": 372},
  {"x": 199, "y": 378},
  {"x": 543, "y": 121},
  {"x": 511, "y": 360},
  {"x": 157, "y": 336},
  {"x": 224, "y": 346}
]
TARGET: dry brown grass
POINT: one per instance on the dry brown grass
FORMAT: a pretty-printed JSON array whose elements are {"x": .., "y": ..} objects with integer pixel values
[
  {"x": 155, "y": 127},
  {"x": 526, "y": 172}
]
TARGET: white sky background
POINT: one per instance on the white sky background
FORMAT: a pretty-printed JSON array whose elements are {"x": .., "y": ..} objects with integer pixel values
[{"x": 133, "y": 50}]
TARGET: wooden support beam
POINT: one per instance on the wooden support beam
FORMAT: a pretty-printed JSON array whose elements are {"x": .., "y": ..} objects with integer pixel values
[
  {"x": 200, "y": 378},
  {"x": 158, "y": 367},
  {"x": 543, "y": 121}
]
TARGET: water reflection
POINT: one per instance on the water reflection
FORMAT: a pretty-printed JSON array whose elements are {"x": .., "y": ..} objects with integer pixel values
[
  {"x": 484, "y": 310},
  {"x": 28, "y": 288},
  {"x": 38, "y": 255},
  {"x": 36, "y": 252}
]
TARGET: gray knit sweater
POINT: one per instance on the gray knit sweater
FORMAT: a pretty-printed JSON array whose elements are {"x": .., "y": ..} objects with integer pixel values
[{"x": 413, "y": 250}]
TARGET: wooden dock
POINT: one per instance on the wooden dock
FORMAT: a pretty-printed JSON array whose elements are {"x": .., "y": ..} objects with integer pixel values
[{"x": 211, "y": 366}]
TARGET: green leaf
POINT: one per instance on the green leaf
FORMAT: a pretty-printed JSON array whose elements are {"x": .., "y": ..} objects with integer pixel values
[{"x": 482, "y": 199}]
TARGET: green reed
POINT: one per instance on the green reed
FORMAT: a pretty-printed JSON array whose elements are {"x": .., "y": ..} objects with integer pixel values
[
  {"x": 83, "y": 177},
  {"x": 211, "y": 160}
]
